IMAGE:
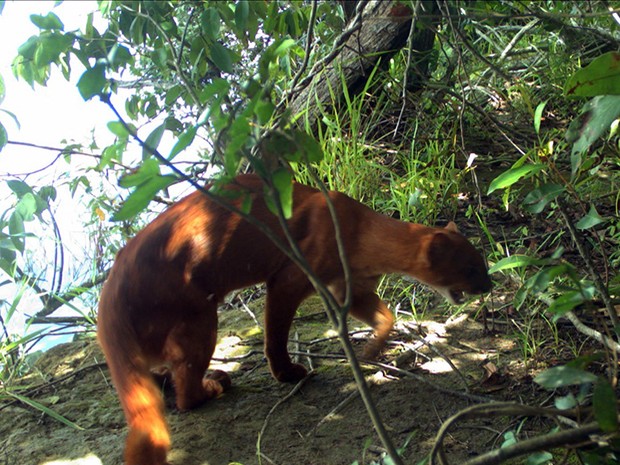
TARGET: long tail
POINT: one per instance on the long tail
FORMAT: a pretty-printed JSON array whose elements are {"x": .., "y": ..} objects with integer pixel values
[{"x": 148, "y": 441}]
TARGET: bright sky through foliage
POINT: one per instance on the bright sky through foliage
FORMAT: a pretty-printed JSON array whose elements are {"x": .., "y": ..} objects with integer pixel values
[
  {"x": 47, "y": 115},
  {"x": 52, "y": 116}
]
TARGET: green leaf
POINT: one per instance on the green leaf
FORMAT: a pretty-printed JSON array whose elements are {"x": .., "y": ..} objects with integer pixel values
[
  {"x": 515, "y": 261},
  {"x": 242, "y": 11},
  {"x": 595, "y": 118},
  {"x": 210, "y": 23},
  {"x": 565, "y": 402},
  {"x": 601, "y": 77},
  {"x": 111, "y": 152},
  {"x": 184, "y": 140},
  {"x": 2, "y": 89},
  {"x": 172, "y": 95},
  {"x": 4, "y": 137},
  {"x": 239, "y": 138},
  {"x": 508, "y": 178},
  {"x": 146, "y": 171},
  {"x": 559, "y": 376},
  {"x": 19, "y": 187},
  {"x": 29, "y": 48},
  {"x": 92, "y": 82},
  {"x": 283, "y": 182},
  {"x": 279, "y": 145},
  {"x": 510, "y": 439},
  {"x": 539, "y": 458},
  {"x": 152, "y": 141},
  {"x": 264, "y": 111},
  {"x": 8, "y": 259},
  {"x": 584, "y": 361},
  {"x": 48, "y": 193},
  {"x": 119, "y": 56},
  {"x": 42, "y": 408},
  {"x": 569, "y": 300},
  {"x": 139, "y": 199},
  {"x": 48, "y": 22},
  {"x": 232, "y": 159},
  {"x": 538, "y": 116},
  {"x": 415, "y": 198},
  {"x": 27, "y": 207},
  {"x": 537, "y": 200},
  {"x": 246, "y": 203},
  {"x": 275, "y": 51},
  {"x": 541, "y": 280},
  {"x": 221, "y": 56},
  {"x": 591, "y": 219},
  {"x": 118, "y": 129},
  {"x": 605, "y": 405},
  {"x": 312, "y": 150},
  {"x": 282, "y": 47},
  {"x": 50, "y": 47},
  {"x": 17, "y": 231}
]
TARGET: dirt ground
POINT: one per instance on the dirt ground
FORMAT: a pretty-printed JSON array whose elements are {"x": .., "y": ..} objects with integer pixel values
[{"x": 323, "y": 422}]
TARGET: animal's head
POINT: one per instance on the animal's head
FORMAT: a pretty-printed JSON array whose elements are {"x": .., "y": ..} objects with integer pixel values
[{"x": 453, "y": 266}]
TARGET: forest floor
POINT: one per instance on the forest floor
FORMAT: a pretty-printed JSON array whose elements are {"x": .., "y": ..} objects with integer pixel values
[{"x": 323, "y": 422}]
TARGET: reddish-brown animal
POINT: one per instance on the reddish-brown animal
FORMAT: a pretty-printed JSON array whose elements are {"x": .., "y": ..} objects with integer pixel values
[{"x": 159, "y": 304}]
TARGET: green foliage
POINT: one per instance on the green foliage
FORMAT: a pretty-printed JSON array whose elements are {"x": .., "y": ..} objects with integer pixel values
[
  {"x": 556, "y": 282},
  {"x": 514, "y": 175},
  {"x": 191, "y": 48},
  {"x": 600, "y": 77},
  {"x": 595, "y": 119},
  {"x": 564, "y": 376},
  {"x": 4, "y": 137}
]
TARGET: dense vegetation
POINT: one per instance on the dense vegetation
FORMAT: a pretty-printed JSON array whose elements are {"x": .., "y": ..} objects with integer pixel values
[{"x": 499, "y": 114}]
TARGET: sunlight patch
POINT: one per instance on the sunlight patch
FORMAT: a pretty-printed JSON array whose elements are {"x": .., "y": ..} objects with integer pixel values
[
  {"x": 437, "y": 365},
  {"x": 331, "y": 333},
  {"x": 88, "y": 460}
]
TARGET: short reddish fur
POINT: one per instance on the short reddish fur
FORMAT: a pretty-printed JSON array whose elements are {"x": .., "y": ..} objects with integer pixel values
[{"x": 159, "y": 304}]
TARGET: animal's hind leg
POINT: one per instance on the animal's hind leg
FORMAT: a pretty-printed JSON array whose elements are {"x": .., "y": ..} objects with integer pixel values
[{"x": 189, "y": 349}]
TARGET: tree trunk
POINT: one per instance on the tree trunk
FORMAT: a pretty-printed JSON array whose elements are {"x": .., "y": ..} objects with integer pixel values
[{"x": 383, "y": 31}]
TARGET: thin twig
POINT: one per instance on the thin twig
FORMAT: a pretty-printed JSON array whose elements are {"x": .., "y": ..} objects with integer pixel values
[
  {"x": 591, "y": 332},
  {"x": 347, "y": 400},
  {"x": 600, "y": 286},
  {"x": 443, "y": 356},
  {"x": 341, "y": 319},
  {"x": 517, "y": 37},
  {"x": 293, "y": 391},
  {"x": 548, "y": 441},
  {"x": 423, "y": 380},
  {"x": 414, "y": 24},
  {"x": 353, "y": 26},
  {"x": 309, "y": 37},
  {"x": 486, "y": 410}
]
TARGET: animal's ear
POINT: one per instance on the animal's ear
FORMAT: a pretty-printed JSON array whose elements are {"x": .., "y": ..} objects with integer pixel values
[
  {"x": 452, "y": 227},
  {"x": 438, "y": 248}
]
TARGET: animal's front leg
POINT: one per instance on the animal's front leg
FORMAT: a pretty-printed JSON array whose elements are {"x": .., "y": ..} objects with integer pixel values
[
  {"x": 189, "y": 348},
  {"x": 284, "y": 294}
]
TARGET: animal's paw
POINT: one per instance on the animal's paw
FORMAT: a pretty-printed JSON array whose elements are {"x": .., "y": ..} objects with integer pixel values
[
  {"x": 216, "y": 383},
  {"x": 372, "y": 350},
  {"x": 291, "y": 374}
]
